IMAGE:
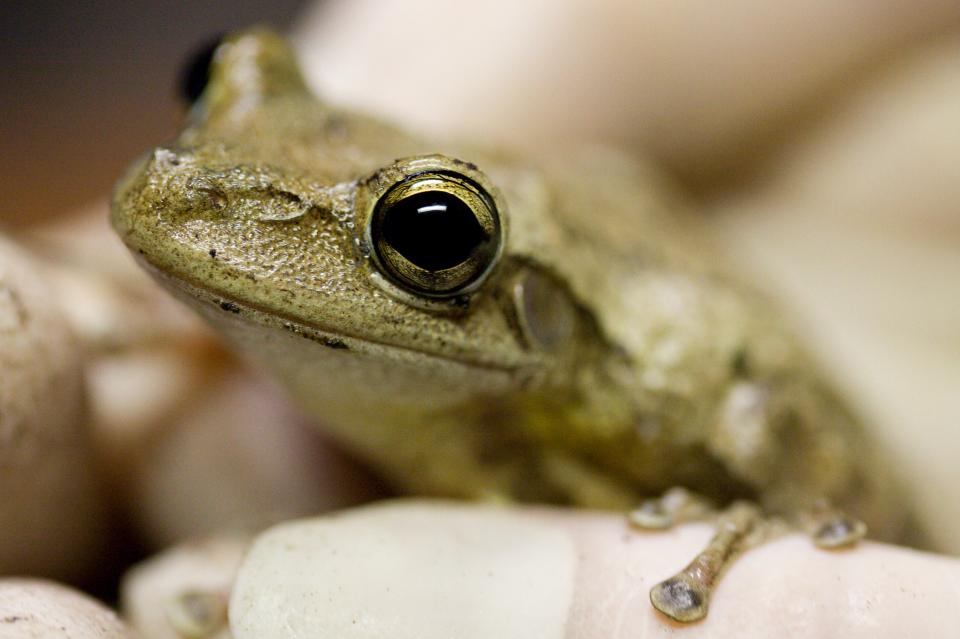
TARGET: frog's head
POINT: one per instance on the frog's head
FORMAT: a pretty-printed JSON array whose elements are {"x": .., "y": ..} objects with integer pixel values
[{"x": 274, "y": 209}]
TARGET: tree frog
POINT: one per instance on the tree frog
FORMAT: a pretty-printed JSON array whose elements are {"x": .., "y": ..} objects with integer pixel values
[{"x": 479, "y": 325}]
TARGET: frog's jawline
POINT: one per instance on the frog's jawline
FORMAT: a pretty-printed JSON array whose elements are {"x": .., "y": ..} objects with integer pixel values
[{"x": 187, "y": 292}]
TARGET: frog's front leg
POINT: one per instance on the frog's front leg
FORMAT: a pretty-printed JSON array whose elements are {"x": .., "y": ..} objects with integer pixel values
[
  {"x": 685, "y": 597},
  {"x": 771, "y": 437}
]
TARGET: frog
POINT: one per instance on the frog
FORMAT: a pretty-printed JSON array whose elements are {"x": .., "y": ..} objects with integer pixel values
[{"x": 478, "y": 324}]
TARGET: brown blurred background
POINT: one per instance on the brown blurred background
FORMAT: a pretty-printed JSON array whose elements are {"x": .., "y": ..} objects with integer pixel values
[{"x": 87, "y": 86}]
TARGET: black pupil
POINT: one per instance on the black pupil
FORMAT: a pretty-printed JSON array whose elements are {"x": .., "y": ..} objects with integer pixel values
[
  {"x": 433, "y": 229},
  {"x": 196, "y": 72}
]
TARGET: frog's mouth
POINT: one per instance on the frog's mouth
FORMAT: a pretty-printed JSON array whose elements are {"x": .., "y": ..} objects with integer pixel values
[{"x": 225, "y": 312}]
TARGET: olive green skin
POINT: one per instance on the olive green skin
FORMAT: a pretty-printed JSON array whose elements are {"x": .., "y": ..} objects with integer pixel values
[{"x": 606, "y": 357}]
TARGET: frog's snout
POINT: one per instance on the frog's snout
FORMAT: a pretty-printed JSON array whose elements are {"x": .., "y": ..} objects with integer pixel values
[{"x": 179, "y": 186}]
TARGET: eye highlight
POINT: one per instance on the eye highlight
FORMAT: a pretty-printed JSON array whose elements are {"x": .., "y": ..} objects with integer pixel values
[{"x": 436, "y": 233}]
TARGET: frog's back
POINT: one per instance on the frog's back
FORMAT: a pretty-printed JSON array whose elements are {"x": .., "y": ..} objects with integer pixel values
[{"x": 720, "y": 395}]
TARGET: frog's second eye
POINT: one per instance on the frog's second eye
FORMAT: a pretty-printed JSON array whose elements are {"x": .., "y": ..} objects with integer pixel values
[
  {"x": 436, "y": 233},
  {"x": 196, "y": 72}
]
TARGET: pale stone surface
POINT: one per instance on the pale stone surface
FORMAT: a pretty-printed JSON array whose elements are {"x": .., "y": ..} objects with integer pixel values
[
  {"x": 35, "y": 609},
  {"x": 407, "y": 570},
  {"x": 241, "y": 458},
  {"x": 50, "y": 509},
  {"x": 439, "y": 570}
]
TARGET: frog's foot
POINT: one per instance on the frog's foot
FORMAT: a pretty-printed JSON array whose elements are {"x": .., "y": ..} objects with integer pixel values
[
  {"x": 685, "y": 597},
  {"x": 675, "y": 506},
  {"x": 830, "y": 528},
  {"x": 197, "y": 614}
]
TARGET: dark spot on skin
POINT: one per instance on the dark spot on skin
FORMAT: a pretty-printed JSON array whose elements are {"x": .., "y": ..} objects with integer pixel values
[
  {"x": 230, "y": 306},
  {"x": 330, "y": 342},
  {"x": 469, "y": 165},
  {"x": 740, "y": 364},
  {"x": 13, "y": 619},
  {"x": 333, "y": 342},
  {"x": 213, "y": 252}
]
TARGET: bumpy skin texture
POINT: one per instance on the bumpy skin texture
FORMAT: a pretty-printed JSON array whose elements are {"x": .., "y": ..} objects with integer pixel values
[{"x": 606, "y": 358}]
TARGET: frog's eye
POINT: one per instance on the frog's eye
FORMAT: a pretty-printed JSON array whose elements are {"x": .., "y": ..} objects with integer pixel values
[
  {"x": 436, "y": 233},
  {"x": 196, "y": 71}
]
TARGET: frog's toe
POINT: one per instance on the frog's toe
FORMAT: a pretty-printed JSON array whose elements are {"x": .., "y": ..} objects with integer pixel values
[
  {"x": 837, "y": 530},
  {"x": 685, "y": 597},
  {"x": 681, "y": 598},
  {"x": 674, "y": 506},
  {"x": 198, "y": 613},
  {"x": 651, "y": 515}
]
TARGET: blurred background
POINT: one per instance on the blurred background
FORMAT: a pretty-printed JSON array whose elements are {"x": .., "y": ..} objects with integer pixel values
[
  {"x": 820, "y": 138},
  {"x": 88, "y": 86}
]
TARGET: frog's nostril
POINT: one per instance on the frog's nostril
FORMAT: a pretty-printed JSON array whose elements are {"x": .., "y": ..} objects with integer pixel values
[
  {"x": 207, "y": 194},
  {"x": 196, "y": 72}
]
